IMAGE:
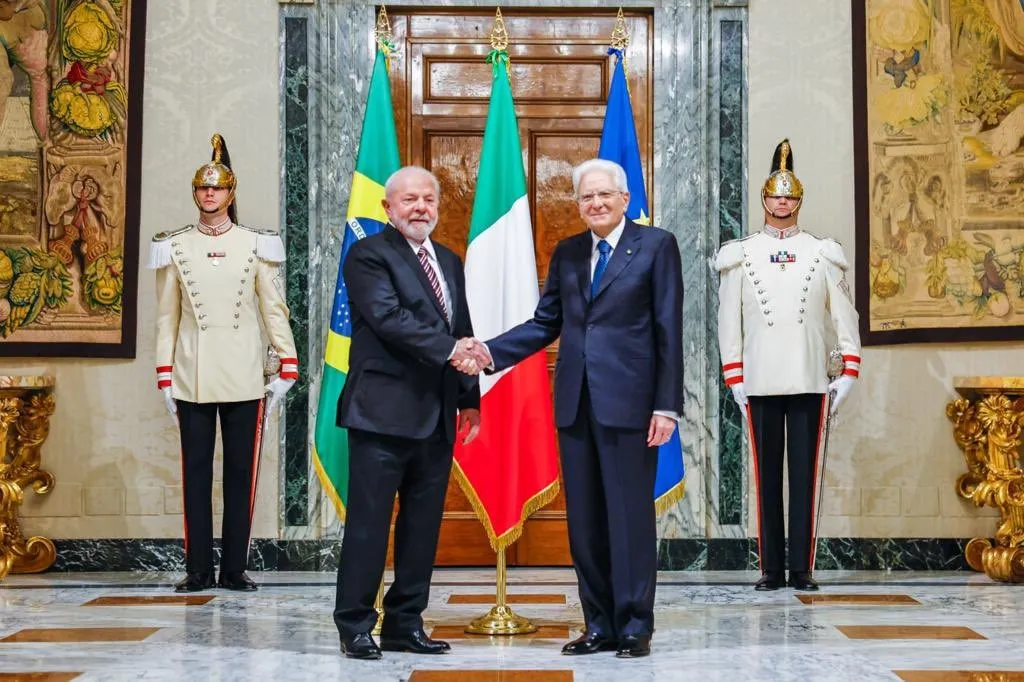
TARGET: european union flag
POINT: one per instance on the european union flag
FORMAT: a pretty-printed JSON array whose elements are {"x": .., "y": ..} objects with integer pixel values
[{"x": 619, "y": 144}]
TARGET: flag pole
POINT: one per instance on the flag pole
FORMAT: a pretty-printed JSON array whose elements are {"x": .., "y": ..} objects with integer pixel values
[
  {"x": 382, "y": 35},
  {"x": 378, "y": 606},
  {"x": 500, "y": 620}
]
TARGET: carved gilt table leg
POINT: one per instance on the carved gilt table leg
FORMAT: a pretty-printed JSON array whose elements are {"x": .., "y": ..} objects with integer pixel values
[
  {"x": 24, "y": 425},
  {"x": 988, "y": 428}
]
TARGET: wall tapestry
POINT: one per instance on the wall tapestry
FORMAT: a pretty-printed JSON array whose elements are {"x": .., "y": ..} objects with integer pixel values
[
  {"x": 70, "y": 149},
  {"x": 938, "y": 133}
]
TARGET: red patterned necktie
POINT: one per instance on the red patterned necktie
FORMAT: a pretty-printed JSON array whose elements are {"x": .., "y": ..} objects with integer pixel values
[{"x": 435, "y": 285}]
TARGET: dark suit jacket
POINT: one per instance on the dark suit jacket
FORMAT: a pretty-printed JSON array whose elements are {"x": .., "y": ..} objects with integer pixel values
[
  {"x": 627, "y": 342},
  {"x": 399, "y": 380}
]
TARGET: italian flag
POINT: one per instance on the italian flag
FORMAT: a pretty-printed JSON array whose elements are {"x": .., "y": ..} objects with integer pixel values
[{"x": 511, "y": 469}]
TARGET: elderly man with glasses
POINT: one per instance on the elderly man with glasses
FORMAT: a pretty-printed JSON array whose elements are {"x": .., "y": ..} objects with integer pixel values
[{"x": 613, "y": 298}]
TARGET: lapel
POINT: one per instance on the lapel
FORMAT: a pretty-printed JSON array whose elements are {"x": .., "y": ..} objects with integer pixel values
[
  {"x": 622, "y": 256},
  {"x": 406, "y": 253},
  {"x": 583, "y": 252},
  {"x": 449, "y": 279}
]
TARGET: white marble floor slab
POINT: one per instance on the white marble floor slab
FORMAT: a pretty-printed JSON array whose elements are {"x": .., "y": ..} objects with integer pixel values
[{"x": 710, "y": 626}]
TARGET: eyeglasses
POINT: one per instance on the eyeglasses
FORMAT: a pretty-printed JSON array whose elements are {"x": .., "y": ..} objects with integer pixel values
[{"x": 594, "y": 196}]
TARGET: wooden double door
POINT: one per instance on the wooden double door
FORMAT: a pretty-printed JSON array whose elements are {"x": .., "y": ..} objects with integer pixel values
[{"x": 560, "y": 75}]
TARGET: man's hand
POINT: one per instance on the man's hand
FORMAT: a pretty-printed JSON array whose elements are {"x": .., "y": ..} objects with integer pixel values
[
  {"x": 660, "y": 430},
  {"x": 172, "y": 406},
  {"x": 840, "y": 389},
  {"x": 470, "y": 356},
  {"x": 469, "y": 425},
  {"x": 277, "y": 389}
]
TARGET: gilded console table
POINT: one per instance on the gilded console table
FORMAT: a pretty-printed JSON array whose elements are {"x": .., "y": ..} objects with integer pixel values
[
  {"x": 988, "y": 421},
  {"x": 26, "y": 403}
]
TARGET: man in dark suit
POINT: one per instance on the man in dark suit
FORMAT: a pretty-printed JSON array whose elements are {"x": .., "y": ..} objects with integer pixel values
[
  {"x": 614, "y": 297},
  {"x": 400, "y": 405}
]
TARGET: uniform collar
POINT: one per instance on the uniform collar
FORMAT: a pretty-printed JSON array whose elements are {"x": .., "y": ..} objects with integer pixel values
[
  {"x": 777, "y": 233},
  {"x": 613, "y": 237},
  {"x": 214, "y": 230}
]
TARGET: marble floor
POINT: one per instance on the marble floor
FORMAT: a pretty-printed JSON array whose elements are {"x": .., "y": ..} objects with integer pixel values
[{"x": 919, "y": 627}]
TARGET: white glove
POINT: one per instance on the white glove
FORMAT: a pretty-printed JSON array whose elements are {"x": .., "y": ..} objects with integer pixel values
[
  {"x": 840, "y": 389},
  {"x": 172, "y": 406},
  {"x": 277, "y": 388},
  {"x": 739, "y": 395}
]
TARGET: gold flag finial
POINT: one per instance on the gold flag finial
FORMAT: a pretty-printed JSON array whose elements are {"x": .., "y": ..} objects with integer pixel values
[
  {"x": 382, "y": 31},
  {"x": 499, "y": 36},
  {"x": 620, "y": 37}
]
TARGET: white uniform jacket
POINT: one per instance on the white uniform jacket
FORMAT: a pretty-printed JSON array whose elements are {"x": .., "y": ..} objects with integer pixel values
[
  {"x": 777, "y": 289},
  {"x": 213, "y": 293}
]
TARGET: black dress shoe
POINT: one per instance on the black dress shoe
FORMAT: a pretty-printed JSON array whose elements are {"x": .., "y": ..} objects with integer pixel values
[
  {"x": 237, "y": 581},
  {"x": 770, "y": 581},
  {"x": 360, "y": 646},
  {"x": 802, "y": 580},
  {"x": 195, "y": 582},
  {"x": 415, "y": 642},
  {"x": 589, "y": 643},
  {"x": 634, "y": 646}
]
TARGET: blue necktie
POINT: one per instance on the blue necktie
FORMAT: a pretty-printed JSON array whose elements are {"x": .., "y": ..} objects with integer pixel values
[{"x": 604, "y": 249}]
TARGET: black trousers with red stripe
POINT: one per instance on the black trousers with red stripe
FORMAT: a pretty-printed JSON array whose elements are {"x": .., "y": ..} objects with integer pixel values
[
  {"x": 240, "y": 425},
  {"x": 778, "y": 421}
]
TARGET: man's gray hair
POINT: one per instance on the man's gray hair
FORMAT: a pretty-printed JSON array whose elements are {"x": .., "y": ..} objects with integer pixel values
[
  {"x": 404, "y": 171},
  {"x": 616, "y": 172}
]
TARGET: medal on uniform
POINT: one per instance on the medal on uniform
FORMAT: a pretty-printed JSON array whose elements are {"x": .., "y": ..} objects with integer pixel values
[
  {"x": 215, "y": 257},
  {"x": 783, "y": 257}
]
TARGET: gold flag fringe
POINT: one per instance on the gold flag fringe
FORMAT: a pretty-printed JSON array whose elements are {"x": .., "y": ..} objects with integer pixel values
[
  {"x": 535, "y": 503},
  {"x": 670, "y": 498},
  {"x": 328, "y": 486}
]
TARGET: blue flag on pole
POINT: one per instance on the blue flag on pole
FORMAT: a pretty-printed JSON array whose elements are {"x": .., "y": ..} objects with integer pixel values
[{"x": 619, "y": 144}]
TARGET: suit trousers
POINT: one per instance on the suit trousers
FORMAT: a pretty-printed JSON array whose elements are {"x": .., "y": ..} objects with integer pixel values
[
  {"x": 417, "y": 470},
  {"x": 241, "y": 436},
  {"x": 789, "y": 426},
  {"x": 609, "y": 476}
]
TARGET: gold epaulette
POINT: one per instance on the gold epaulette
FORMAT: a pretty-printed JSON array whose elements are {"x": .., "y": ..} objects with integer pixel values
[{"x": 167, "y": 234}]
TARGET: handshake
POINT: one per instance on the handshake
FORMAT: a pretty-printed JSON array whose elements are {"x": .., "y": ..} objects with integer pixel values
[{"x": 471, "y": 356}]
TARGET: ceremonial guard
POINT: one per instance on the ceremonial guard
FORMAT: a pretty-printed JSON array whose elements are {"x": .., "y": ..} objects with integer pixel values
[
  {"x": 779, "y": 288},
  {"x": 217, "y": 282}
]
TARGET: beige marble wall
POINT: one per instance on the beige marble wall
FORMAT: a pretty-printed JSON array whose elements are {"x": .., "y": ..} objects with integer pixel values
[
  {"x": 211, "y": 65},
  {"x": 893, "y": 462}
]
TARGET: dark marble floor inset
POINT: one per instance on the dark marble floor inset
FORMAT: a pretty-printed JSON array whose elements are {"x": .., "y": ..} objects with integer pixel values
[
  {"x": 79, "y": 635},
  {"x": 39, "y": 677},
  {"x": 544, "y": 631},
  {"x": 511, "y": 599},
  {"x": 908, "y": 632},
  {"x": 155, "y": 600},
  {"x": 960, "y": 675},
  {"x": 491, "y": 676},
  {"x": 855, "y": 599}
]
